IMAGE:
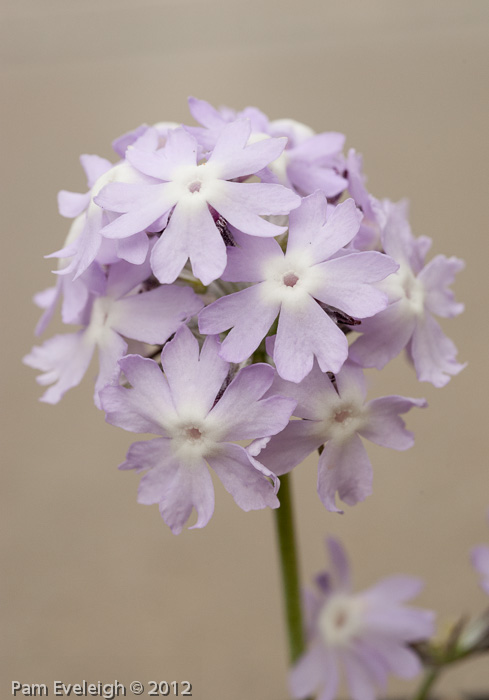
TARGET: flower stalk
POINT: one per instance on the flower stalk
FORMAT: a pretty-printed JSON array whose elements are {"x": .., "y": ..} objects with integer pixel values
[{"x": 284, "y": 520}]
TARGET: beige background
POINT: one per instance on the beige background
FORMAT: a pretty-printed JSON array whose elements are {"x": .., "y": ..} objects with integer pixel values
[{"x": 95, "y": 586}]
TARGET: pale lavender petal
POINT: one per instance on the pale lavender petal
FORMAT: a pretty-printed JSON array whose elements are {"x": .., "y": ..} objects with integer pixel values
[
  {"x": 310, "y": 672},
  {"x": 433, "y": 353},
  {"x": 438, "y": 274},
  {"x": 152, "y": 454},
  {"x": 351, "y": 384},
  {"x": 235, "y": 159},
  {"x": 148, "y": 406},
  {"x": 344, "y": 468},
  {"x": 248, "y": 486},
  {"x": 309, "y": 177},
  {"x": 242, "y": 202},
  {"x": 123, "y": 277},
  {"x": 191, "y": 233},
  {"x": 289, "y": 448},
  {"x": 204, "y": 113},
  {"x": 189, "y": 374},
  {"x": 139, "y": 205},
  {"x": 48, "y": 300},
  {"x": 177, "y": 488},
  {"x": 384, "y": 336},
  {"x": 480, "y": 562},
  {"x": 360, "y": 682},
  {"x": 249, "y": 315},
  {"x": 320, "y": 146},
  {"x": 94, "y": 167},
  {"x": 111, "y": 348},
  {"x": 385, "y": 427},
  {"x": 401, "y": 660},
  {"x": 64, "y": 359},
  {"x": 72, "y": 204},
  {"x": 248, "y": 263},
  {"x": 240, "y": 413},
  {"x": 305, "y": 332},
  {"x": 121, "y": 143},
  {"x": 133, "y": 249},
  {"x": 399, "y": 623},
  {"x": 312, "y": 394},
  {"x": 348, "y": 283},
  {"x": 321, "y": 241},
  {"x": 394, "y": 589},
  {"x": 154, "y": 316}
]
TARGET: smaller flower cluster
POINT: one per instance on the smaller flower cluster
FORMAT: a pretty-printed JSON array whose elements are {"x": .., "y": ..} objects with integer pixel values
[{"x": 218, "y": 270}]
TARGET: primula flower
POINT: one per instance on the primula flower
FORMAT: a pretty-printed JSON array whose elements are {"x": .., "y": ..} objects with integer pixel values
[
  {"x": 290, "y": 286},
  {"x": 198, "y": 424},
  {"x": 309, "y": 162},
  {"x": 416, "y": 292},
  {"x": 366, "y": 634},
  {"x": 337, "y": 415},
  {"x": 150, "y": 317},
  {"x": 182, "y": 192}
]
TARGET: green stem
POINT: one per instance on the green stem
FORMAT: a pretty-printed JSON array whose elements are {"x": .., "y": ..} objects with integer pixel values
[
  {"x": 427, "y": 683},
  {"x": 284, "y": 520}
]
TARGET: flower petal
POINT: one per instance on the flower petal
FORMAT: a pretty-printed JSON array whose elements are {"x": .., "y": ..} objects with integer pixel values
[
  {"x": 344, "y": 468},
  {"x": 247, "y": 485}
]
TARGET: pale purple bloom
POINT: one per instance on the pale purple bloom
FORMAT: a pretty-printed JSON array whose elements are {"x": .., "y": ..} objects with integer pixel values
[
  {"x": 337, "y": 415},
  {"x": 198, "y": 427},
  {"x": 290, "y": 286},
  {"x": 365, "y": 635},
  {"x": 121, "y": 312},
  {"x": 309, "y": 162},
  {"x": 416, "y": 292},
  {"x": 183, "y": 191},
  {"x": 480, "y": 562}
]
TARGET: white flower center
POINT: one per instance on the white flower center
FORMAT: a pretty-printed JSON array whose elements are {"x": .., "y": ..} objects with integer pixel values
[
  {"x": 194, "y": 183},
  {"x": 289, "y": 279},
  {"x": 404, "y": 285},
  {"x": 341, "y": 619},
  {"x": 345, "y": 419}
]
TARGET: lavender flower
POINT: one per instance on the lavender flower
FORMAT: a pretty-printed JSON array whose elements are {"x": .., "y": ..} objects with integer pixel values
[
  {"x": 365, "y": 634},
  {"x": 150, "y": 317},
  {"x": 182, "y": 192},
  {"x": 196, "y": 429},
  {"x": 416, "y": 292},
  {"x": 309, "y": 161},
  {"x": 336, "y": 415},
  {"x": 291, "y": 284}
]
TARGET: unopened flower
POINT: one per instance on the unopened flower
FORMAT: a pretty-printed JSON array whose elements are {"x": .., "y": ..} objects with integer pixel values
[
  {"x": 366, "y": 635},
  {"x": 196, "y": 430}
]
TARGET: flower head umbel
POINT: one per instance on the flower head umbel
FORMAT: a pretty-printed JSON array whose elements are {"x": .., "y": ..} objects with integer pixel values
[
  {"x": 198, "y": 425},
  {"x": 366, "y": 635},
  {"x": 335, "y": 414}
]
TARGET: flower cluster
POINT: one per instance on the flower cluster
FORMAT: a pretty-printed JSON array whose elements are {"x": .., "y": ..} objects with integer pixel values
[{"x": 220, "y": 271}]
